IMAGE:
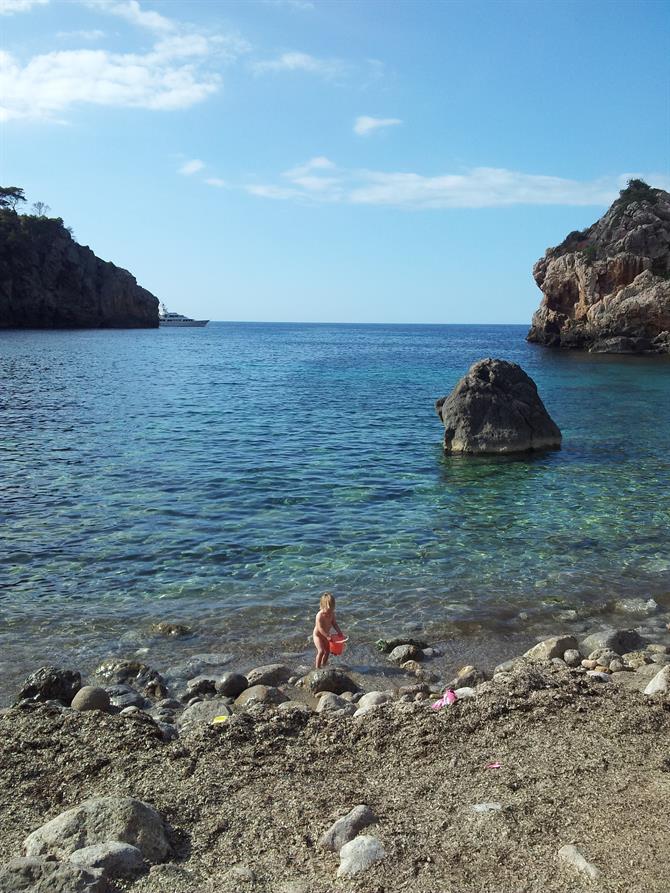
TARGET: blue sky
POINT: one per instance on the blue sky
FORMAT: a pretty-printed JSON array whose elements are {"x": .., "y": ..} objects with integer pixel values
[{"x": 333, "y": 160}]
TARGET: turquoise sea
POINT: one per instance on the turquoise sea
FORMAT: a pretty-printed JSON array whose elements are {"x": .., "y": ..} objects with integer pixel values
[{"x": 224, "y": 477}]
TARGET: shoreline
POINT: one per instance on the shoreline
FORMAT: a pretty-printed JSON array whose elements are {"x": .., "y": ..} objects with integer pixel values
[
  {"x": 483, "y": 641},
  {"x": 464, "y": 797}
]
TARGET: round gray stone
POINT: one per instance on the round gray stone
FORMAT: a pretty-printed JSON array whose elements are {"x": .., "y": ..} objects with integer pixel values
[{"x": 91, "y": 697}]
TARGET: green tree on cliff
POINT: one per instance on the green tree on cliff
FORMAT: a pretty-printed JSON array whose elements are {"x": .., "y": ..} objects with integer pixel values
[{"x": 11, "y": 196}]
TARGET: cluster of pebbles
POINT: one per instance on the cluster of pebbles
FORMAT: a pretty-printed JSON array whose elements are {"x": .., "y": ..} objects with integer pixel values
[{"x": 202, "y": 690}]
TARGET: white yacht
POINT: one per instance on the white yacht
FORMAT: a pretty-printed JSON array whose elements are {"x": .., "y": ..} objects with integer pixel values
[{"x": 166, "y": 318}]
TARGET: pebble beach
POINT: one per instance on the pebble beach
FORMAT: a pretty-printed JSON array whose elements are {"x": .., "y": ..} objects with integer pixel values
[{"x": 386, "y": 777}]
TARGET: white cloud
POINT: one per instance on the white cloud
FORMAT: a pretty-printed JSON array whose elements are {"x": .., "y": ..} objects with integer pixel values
[
  {"x": 132, "y": 12},
  {"x": 94, "y": 34},
  {"x": 216, "y": 181},
  {"x": 365, "y": 124},
  {"x": 176, "y": 73},
  {"x": 189, "y": 168},
  {"x": 301, "y": 5},
  {"x": 482, "y": 187},
  {"x": 51, "y": 83},
  {"x": 9, "y": 7},
  {"x": 273, "y": 192},
  {"x": 328, "y": 68}
]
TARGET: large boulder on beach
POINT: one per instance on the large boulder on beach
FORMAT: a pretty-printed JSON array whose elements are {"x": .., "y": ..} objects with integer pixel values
[
  {"x": 46, "y": 876},
  {"x": 100, "y": 820},
  {"x": 51, "y": 684},
  {"x": 495, "y": 408},
  {"x": 329, "y": 679},
  {"x": 270, "y": 674},
  {"x": 607, "y": 288}
]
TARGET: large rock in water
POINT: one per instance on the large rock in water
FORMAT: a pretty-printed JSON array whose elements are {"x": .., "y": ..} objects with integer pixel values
[
  {"x": 495, "y": 408},
  {"x": 48, "y": 281},
  {"x": 607, "y": 288}
]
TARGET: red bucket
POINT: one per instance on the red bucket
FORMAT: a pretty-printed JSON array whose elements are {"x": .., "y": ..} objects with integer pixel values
[{"x": 337, "y": 643}]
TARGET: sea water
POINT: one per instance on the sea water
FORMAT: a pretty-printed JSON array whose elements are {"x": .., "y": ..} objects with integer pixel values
[{"x": 224, "y": 477}]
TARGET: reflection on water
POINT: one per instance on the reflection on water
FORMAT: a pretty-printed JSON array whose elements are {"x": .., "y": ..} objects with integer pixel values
[{"x": 226, "y": 476}]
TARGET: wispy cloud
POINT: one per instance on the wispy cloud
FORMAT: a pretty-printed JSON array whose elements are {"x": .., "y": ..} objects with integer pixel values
[
  {"x": 94, "y": 34},
  {"x": 132, "y": 12},
  {"x": 189, "y": 168},
  {"x": 216, "y": 181},
  {"x": 301, "y": 62},
  {"x": 294, "y": 5},
  {"x": 180, "y": 70},
  {"x": 365, "y": 125},
  {"x": 9, "y": 7},
  {"x": 482, "y": 187}
]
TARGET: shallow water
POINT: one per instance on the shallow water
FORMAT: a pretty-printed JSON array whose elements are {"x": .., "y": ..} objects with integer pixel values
[{"x": 226, "y": 476}]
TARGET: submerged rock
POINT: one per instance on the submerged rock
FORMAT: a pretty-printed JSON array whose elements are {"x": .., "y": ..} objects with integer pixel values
[
  {"x": 403, "y": 653},
  {"x": 606, "y": 289},
  {"x": 387, "y": 645},
  {"x": 619, "y": 640},
  {"x": 126, "y": 672},
  {"x": 495, "y": 408}
]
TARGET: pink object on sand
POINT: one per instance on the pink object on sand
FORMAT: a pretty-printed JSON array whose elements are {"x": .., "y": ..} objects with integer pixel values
[
  {"x": 448, "y": 698},
  {"x": 495, "y": 765}
]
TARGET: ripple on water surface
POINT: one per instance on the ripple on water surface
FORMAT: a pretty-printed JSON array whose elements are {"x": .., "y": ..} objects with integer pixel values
[{"x": 227, "y": 475}]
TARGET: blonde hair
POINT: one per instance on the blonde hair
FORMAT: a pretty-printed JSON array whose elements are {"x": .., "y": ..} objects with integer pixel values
[{"x": 327, "y": 602}]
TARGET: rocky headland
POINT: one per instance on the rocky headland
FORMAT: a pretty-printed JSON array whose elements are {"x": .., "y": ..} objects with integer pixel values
[
  {"x": 49, "y": 281},
  {"x": 495, "y": 408},
  {"x": 607, "y": 288},
  {"x": 544, "y": 775}
]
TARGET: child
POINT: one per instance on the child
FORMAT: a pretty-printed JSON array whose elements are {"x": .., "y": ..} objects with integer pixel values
[{"x": 325, "y": 619}]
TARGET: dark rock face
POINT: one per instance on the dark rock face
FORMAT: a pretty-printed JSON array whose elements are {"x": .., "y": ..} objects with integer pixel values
[
  {"x": 607, "y": 289},
  {"x": 496, "y": 408},
  {"x": 48, "y": 281},
  {"x": 51, "y": 684}
]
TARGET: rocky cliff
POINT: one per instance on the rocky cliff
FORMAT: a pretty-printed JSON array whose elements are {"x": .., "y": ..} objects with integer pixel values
[
  {"x": 607, "y": 288},
  {"x": 48, "y": 281}
]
